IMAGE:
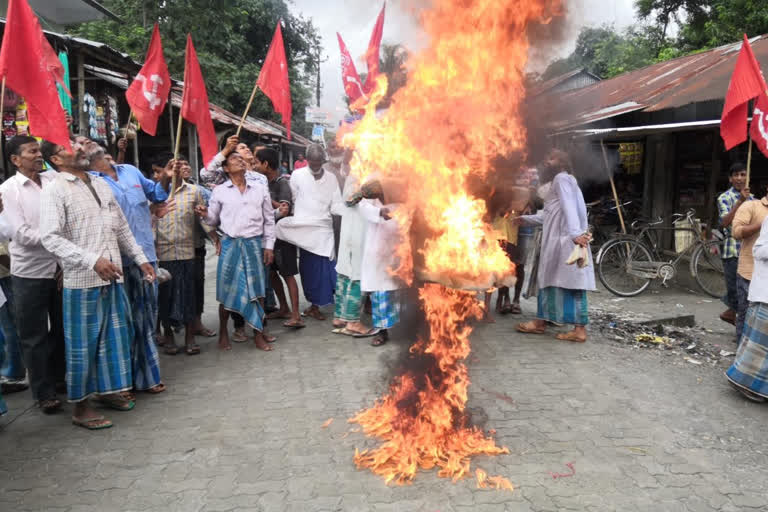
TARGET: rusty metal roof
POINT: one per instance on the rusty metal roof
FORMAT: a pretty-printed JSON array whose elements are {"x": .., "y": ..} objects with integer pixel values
[{"x": 675, "y": 83}]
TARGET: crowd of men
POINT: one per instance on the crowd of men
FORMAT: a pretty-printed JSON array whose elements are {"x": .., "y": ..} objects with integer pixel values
[{"x": 107, "y": 266}]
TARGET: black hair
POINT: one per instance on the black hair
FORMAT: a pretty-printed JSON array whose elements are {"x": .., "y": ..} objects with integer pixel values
[
  {"x": 13, "y": 146},
  {"x": 161, "y": 159},
  {"x": 48, "y": 149},
  {"x": 270, "y": 156},
  {"x": 737, "y": 167}
]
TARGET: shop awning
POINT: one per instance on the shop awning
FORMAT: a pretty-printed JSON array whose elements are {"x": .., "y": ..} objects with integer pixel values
[{"x": 639, "y": 131}]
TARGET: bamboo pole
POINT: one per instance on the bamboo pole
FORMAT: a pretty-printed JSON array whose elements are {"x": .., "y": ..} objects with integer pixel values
[
  {"x": 749, "y": 159},
  {"x": 176, "y": 152},
  {"x": 247, "y": 108},
  {"x": 613, "y": 188},
  {"x": 2, "y": 97}
]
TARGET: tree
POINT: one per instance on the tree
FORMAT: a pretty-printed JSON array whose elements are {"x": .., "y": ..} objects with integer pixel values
[
  {"x": 231, "y": 38},
  {"x": 392, "y": 60}
]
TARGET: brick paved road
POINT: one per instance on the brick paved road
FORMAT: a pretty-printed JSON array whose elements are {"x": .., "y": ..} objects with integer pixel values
[{"x": 242, "y": 431}]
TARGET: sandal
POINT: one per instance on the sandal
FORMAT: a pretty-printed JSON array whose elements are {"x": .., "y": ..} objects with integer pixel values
[
  {"x": 239, "y": 336},
  {"x": 370, "y": 332},
  {"x": 97, "y": 423},
  {"x": 205, "y": 332},
  {"x": 379, "y": 339},
  {"x": 314, "y": 313},
  {"x": 515, "y": 309},
  {"x": 128, "y": 395},
  {"x": 345, "y": 331},
  {"x": 571, "y": 336},
  {"x": 171, "y": 350},
  {"x": 278, "y": 315},
  {"x": 49, "y": 406},
  {"x": 159, "y": 388},
  {"x": 192, "y": 350},
  {"x": 530, "y": 328},
  {"x": 294, "y": 325},
  {"x": 116, "y": 402}
]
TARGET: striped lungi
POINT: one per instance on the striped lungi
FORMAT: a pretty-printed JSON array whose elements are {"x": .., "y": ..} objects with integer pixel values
[
  {"x": 177, "y": 297},
  {"x": 385, "y": 309},
  {"x": 97, "y": 334},
  {"x": 142, "y": 296},
  {"x": 750, "y": 368},
  {"x": 562, "y": 305},
  {"x": 240, "y": 278},
  {"x": 347, "y": 299},
  {"x": 13, "y": 365}
]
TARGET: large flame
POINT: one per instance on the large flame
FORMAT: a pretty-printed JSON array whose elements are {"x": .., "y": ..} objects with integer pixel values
[{"x": 460, "y": 108}]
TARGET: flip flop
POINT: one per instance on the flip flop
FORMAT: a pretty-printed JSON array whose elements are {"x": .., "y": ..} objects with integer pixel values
[
  {"x": 97, "y": 423},
  {"x": 159, "y": 388},
  {"x": 50, "y": 405},
  {"x": 192, "y": 350},
  {"x": 515, "y": 309},
  {"x": 569, "y": 336},
  {"x": 206, "y": 333},
  {"x": 529, "y": 330},
  {"x": 116, "y": 403},
  {"x": 238, "y": 337},
  {"x": 344, "y": 331},
  {"x": 299, "y": 325},
  {"x": 171, "y": 350},
  {"x": 371, "y": 332}
]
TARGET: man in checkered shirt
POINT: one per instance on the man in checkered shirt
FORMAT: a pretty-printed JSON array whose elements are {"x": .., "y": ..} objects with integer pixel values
[
  {"x": 83, "y": 226},
  {"x": 727, "y": 204}
]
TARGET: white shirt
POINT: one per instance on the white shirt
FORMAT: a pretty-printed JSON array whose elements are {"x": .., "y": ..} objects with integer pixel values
[
  {"x": 352, "y": 235},
  {"x": 21, "y": 203},
  {"x": 758, "y": 288},
  {"x": 379, "y": 255},
  {"x": 311, "y": 226}
]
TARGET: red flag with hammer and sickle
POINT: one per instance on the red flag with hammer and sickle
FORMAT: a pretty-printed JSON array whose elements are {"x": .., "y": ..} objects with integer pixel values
[
  {"x": 759, "y": 129},
  {"x": 148, "y": 93}
]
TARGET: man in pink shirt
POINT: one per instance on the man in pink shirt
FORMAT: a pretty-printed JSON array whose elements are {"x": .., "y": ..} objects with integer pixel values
[{"x": 243, "y": 211}]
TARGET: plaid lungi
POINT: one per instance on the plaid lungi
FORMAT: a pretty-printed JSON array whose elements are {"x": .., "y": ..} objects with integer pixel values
[
  {"x": 177, "y": 301},
  {"x": 385, "y": 309},
  {"x": 142, "y": 296},
  {"x": 562, "y": 305},
  {"x": 750, "y": 368},
  {"x": 13, "y": 365},
  {"x": 97, "y": 334},
  {"x": 240, "y": 278},
  {"x": 348, "y": 298}
]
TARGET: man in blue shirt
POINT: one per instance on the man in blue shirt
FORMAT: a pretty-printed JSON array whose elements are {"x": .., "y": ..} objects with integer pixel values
[{"x": 134, "y": 192}]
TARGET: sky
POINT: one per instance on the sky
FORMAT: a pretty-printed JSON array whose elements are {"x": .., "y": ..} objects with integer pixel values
[{"x": 354, "y": 19}]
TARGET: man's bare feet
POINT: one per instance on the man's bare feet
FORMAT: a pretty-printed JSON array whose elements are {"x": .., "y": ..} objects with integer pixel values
[
  {"x": 314, "y": 312},
  {"x": 224, "y": 343},
  {"x": 282, "y": 314},
  {"x": 261, "y": 343}
]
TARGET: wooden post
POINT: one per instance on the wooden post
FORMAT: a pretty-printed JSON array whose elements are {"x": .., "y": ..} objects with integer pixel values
[
  {"x": 613, "y": 188},
  {"x": 81, "y": 94},
  {"x": 176, "y": 153},
  {"x": 247, "y": 108},
  {"x": 170, "y": 122},
  {"x": 749, "y": 160}
]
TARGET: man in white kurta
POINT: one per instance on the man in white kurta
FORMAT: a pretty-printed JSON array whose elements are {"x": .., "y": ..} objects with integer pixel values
[
  {"x": 316, "y": 196},
  {"x": 382, "y": 237}
]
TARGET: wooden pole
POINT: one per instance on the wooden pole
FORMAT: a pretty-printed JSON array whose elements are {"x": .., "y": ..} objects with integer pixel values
[
  {"x": 170, "y": 122},
  {"x": 2, "y": 97},
  {"x": 247, "y": 108},
  {"x": 176, "y": 152},
  {"x": 749, "y": 160},
  {"x": 613, "y": 188}
]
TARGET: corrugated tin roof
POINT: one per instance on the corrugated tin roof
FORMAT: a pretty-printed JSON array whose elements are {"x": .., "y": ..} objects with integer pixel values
[
  {"x": 550, "y": 84},
  {"x": 675, "y": 83}
]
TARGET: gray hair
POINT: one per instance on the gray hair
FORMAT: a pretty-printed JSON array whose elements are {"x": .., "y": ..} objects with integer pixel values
[{"x": 315, "y": 152}]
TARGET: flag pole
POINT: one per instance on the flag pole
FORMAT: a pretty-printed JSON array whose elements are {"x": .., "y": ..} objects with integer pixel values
[
  {"x": 749, "y": 159},
  {"x": 613, "y": 188},
  {"x": 247, "y": 108},
  {"x": 176, "y": 151},
  {"x": 2, "y": 97}
]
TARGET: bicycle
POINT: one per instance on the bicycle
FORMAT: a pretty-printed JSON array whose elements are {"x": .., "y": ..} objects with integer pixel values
[{"x": 627, "y": 264}]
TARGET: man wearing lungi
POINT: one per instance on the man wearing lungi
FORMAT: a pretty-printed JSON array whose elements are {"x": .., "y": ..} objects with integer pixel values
[
  {"x": 316, "y": 196},
  {"x": 133, "y": 193},
  {"x": 242, "y": 210},
  {"x": 82, "y": 225}
]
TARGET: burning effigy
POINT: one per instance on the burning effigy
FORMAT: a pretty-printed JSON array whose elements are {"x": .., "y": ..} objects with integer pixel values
[{"x": 460, "y": 109}]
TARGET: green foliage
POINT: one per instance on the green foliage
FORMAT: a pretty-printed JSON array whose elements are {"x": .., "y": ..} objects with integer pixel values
[{"x": 231, "y": 38}]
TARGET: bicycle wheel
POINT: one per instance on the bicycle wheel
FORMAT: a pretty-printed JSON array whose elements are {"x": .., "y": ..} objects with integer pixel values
[
  {"x": 707, "y": 268},
  {"x": 617, "y": 257}
]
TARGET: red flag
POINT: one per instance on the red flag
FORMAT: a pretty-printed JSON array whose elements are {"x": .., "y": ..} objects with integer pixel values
[
  {"x": 26, "y": 65},
  {"x": 747, "y": 82},
  {"x": 194, "y": 103},
  {"x": 148, "y": 93},
  {"x": 352, "y": 84},
  {"x": 273, "y": 79},
  {"x": 759, "y": 128},
  {"x": 374, "y": 49}
]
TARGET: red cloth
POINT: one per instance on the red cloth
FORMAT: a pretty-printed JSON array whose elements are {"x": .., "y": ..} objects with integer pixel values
[
  {"x": 759, "y": 128},
  {"x": 273, "y": 79},
  {"x": 31, "y": 69},
  {"x": 298, "y": 164},
  {"x": 194, "y": 104},
  {"x": 747, "y": 82},
  {"x": 372, "y": 55},
  {"x": 148, "y": 93},
  {"x": 350, "y": 78}
]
